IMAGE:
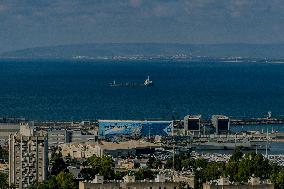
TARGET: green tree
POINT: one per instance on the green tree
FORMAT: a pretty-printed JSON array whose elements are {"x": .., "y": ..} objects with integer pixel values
[
  {"x": 70, "y": 161},
  {"x": 142, "y": 174},
  {"x": 231, "y": 170},
  {"x": 50, "y": 183},
  {"x": 278, "y": 180},
  {"x": 237, "y": 155},
  {"x": 65, "y": 181},
  {"x": 3, "y": 180},
  {"x": 177, "y": 161},
  {"x": 88, "y": 173},
  {"x": 252, "y": 164},
  {"x": 103, "y": 166},
  {"x": 57, "y": 164},
  {"x": 119, "y": 175},
  {"x": 186, "y": 164},
  {"x": 200, "y": 163},
  {"x": 4, "y": 154},
  {"x": 213, "y": 170},
  {"x": 61, "y": 181},
  {"x": 154, "y": 163}
]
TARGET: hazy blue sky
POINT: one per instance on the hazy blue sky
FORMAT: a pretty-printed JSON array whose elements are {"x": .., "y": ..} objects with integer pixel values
[{"x": 30, "y": 23}]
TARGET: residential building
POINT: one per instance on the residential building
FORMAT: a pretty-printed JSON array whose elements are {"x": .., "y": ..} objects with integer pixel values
[
  {"x": 224, "y": 183},
  {"x": 57, "y": 137},
  {"x": 61, "y": 136},
  {"x": 100, "y": 148},
  {"x": 28, "y": 157},
  {"x": 129, "y": 182}
]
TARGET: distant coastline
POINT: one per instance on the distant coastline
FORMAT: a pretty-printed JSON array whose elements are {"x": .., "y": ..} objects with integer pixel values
[
  {"x": 152, "y": 59},
  {"x": 150, "y": 51}
]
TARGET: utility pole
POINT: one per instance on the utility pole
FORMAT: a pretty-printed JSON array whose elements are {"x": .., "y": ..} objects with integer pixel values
[{"x": 173, "y": 158}]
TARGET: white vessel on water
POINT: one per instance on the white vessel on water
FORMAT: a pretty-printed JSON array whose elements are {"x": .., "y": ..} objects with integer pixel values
[
  {"x": 148, "y": 82},
  {"x": 113, "y": 84}
]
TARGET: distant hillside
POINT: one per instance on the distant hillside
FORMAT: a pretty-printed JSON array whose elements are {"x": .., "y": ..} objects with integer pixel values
[{"x": 148, "y": 49}]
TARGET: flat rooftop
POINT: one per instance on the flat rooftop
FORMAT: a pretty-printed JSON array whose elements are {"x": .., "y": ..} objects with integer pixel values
[
  {"x": 138, "y": 144},
  {"x": 127, "y": 145},
  {"x": 193, "y": 116},
  {"x": 220, "y": 117},
  {"x": 135, "y": 121}
]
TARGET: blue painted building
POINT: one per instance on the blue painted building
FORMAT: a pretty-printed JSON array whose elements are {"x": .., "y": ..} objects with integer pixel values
[{"x": 109, "y": 128}]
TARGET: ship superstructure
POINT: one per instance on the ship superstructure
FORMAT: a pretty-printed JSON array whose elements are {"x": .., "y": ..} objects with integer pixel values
[{"x": 148, "y": 82}]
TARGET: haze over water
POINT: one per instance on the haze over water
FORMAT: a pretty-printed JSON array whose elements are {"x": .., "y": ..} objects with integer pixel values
[{"x": 79, "y": 90}]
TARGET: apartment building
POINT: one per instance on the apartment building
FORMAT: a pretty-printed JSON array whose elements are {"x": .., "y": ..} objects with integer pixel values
[{"x": 28, "y": 157}]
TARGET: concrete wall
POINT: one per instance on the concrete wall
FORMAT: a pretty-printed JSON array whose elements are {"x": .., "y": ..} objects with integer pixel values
[
  {"x": 189, "y": 180},
  {"x": 261, "y": 186}
]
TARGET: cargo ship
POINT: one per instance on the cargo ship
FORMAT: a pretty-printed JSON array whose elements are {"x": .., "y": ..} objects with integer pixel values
[{"x": 147, "y": 83}]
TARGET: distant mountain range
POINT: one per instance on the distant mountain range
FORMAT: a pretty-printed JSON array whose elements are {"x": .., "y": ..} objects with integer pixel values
[{"x": 150, "y": 49}]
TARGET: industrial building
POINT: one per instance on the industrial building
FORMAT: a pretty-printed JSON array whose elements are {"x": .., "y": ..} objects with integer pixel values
[
  {"x": 192, "y": 124},
  {"x": 61, "y": 136},
  {"x": 9, "y": 126},
  {"x": 221, "y": 123},
  {"x": 28, "y": 157}
]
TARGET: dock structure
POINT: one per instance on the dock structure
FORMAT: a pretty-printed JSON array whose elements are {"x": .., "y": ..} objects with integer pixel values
[
  {"x": 248, "y": 121},
  {"x": 257, "y": 121}
]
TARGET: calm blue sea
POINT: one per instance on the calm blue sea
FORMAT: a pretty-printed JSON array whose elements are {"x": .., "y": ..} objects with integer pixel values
[{"x": 77, "y": 90}]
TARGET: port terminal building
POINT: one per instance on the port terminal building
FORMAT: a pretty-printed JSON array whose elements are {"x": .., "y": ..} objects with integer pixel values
[{"x": 111, "y": 128}]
